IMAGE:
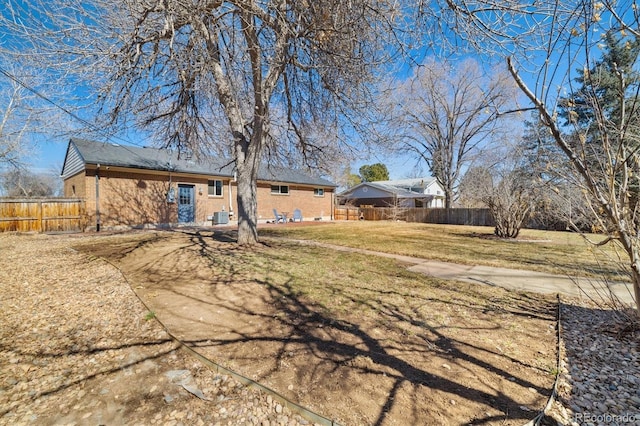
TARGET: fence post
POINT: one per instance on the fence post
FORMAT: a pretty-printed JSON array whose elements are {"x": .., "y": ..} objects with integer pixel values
[{"x": 39, "y": 215}]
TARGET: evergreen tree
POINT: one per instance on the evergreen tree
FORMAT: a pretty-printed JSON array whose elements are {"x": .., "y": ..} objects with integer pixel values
[
  {"x": 560, "y": 203},
  {"x": 374, "y": 172},
  {"x": 605, "y": 116},
  {"x": 541, "y": 153},
  {"x": 601, "y": 87}
]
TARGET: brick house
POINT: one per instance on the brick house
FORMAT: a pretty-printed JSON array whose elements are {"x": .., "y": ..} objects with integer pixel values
[{"x": 126, "y": 186}]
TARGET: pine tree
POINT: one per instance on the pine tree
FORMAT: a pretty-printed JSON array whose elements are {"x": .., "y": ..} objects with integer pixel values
[
  {"x": 374, "y": 172},
  {"x": 600, "y": 86}
]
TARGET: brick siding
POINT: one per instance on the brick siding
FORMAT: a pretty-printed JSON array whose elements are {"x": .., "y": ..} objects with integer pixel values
[{"x": 133, "y": 199}]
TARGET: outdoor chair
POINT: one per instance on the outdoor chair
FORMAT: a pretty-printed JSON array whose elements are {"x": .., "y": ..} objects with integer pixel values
[
  {"x": 297, "y": 216},
  {"x": 279, "y": 217}
]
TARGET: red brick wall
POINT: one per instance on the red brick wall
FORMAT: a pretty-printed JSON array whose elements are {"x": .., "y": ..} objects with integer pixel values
[
  {"x": 299, "y": 197},
  {"x": 131, "y": 198},
  {"x": 75, "y": 186}
]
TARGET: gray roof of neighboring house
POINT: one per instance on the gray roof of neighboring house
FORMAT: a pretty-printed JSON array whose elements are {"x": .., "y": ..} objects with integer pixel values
[
  {"x": 421, "y": 182},
  {"x": 359, "y": 191},
  {"x": 81, "y": 152}
]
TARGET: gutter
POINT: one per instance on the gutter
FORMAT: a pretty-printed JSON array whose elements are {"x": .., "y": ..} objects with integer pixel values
[{"x": 98, "y": 198}]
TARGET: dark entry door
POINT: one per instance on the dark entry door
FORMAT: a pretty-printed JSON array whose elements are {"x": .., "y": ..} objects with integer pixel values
[{"x": 186, "y": 204}]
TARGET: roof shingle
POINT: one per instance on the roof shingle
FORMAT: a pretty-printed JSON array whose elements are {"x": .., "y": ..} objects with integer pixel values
[{"x": 108, "y": 154}]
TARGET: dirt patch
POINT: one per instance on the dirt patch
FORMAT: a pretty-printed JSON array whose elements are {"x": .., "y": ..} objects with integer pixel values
[
  {"x": 342, "y": 334},
  {"x": 77, "y": 348}
]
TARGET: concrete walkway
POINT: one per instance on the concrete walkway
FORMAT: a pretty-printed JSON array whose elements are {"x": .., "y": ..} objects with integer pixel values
[{"x": 513, "y": 279}]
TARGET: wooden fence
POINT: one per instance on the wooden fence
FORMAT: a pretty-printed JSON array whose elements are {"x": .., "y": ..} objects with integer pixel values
[
  {"x": 473, "y": 217},
  {"x": 346, "y": 213},
  {"x": 42, "y": 215}
]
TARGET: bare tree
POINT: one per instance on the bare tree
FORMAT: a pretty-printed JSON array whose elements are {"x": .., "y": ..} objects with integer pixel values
[
  {"x": 18, "y": 122},
  {"x": 472, "y": 183},
  {"x": 31, "y": 110},
  {"x": 510, "y": 203},
  {"x": 229, "y": 76},
  {"x": 396, "y": 210},
  {"x": 506, "y": 184},
  {"x": 546, "y": 46},
  {"x": 23, "y": 183},
  {"x": 445, "y": 114},
  {"x": 10, "y": 139},
  {"x": 561, "y": 203}
]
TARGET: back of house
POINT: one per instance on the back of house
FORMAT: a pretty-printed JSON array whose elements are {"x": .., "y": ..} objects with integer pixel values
[{"x": 134, "y": 187}]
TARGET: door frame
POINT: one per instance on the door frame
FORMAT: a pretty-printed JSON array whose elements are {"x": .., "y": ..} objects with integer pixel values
[{"x": 182, "y": 206}]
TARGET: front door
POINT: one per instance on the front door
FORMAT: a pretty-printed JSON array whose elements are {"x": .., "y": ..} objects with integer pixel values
[{"x": 186, "y": 204}]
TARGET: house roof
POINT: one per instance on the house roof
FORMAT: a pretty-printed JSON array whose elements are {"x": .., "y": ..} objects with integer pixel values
[
  {"x": 361, "y": 190},
  {"x": 81, "y": 152},
  {"x": 422, "y": 182}
]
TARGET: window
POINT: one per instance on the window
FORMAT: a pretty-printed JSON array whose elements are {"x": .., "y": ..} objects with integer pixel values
[
  {"x": 280, "y": 189},
  {"x": 215, "y": 188},
  {"x": 318, "y": 192}
]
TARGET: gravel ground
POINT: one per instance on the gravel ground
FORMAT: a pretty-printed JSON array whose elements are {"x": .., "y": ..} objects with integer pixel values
[
  {"x": 78, "y": 347},
  {"x": 600, "y": 369}
]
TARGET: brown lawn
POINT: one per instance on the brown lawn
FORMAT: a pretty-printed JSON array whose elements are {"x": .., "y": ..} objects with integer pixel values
[{"x": 355, "y": 338}]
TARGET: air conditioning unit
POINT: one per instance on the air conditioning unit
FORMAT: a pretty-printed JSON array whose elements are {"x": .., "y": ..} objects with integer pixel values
[{"x": 220, "y": 218}]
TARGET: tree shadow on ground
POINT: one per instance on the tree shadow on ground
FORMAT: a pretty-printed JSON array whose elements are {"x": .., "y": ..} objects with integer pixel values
[
  {"x": 98, "y": 372},
  {"x": 421, "y": 351}
]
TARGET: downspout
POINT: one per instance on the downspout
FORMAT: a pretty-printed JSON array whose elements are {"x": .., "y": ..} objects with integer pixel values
[
  {"x": 98, "y": 198},
  {"x": 333, "y": 199},
  {"x": 235, "y": 179}
]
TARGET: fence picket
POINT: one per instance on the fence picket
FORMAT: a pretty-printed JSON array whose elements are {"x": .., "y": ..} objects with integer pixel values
[
  {"x": 42, "y": 215},
  {"x": 457, "y": 216}
]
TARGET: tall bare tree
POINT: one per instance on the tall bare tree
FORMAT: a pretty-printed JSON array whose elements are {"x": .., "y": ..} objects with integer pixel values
[
  {"x": 19, "y": 120},
  {"x": 31, "y": 108},
  {"x": 445, "y": 114},
  {"x": 560, "y": 201},
  {"x": 233, "y": 76},
  {"x": 546, "y": 45},
  {"x": 24, "y": 183}
]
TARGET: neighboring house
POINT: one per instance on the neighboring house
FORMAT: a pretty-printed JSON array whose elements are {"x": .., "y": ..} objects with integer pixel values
[
  {"x": 419, "y": 192},
  {"x": 126, "y": 186}
]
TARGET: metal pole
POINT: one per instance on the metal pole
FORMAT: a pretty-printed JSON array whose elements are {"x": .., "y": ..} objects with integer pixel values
[{"x": 98, "y": 198}]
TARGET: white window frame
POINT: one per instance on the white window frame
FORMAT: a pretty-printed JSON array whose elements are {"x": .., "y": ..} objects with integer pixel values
[
  {"x": 318, "y": 192},
  {"x": 215, "y": 186}
]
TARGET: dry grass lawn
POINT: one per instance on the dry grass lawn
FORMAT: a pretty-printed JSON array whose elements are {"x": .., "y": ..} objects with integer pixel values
[
  {"x": 356, "y": 338},
  {"x": 545, "y": 251}
]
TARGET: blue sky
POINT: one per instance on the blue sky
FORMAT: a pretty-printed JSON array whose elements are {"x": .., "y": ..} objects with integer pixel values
[{"x": 48, "y": 155}]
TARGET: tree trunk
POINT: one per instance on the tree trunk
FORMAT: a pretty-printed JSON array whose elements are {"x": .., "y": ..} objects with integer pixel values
[
  {"x": 634, "y": 256},
  {"x": 448, "y": 196},
  {"x": 636, "y": 284},
  {"x": 247, "y": 207},
  {"x": 247, "y": 164}
]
